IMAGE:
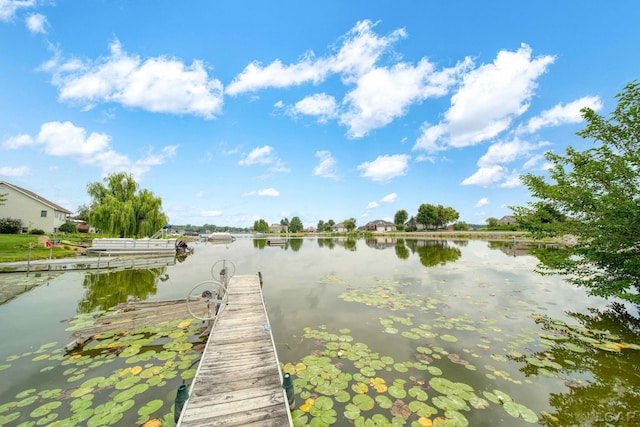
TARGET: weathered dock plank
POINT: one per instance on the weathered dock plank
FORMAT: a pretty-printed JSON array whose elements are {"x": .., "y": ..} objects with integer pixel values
[{"x": 238, "y": 382}]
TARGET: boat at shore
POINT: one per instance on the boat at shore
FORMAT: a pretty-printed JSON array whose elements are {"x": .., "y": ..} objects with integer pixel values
[{"x": 220, "y": 237}]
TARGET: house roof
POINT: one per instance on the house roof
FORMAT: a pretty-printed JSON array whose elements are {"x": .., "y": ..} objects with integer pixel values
[
  {"x": 36, "y": 197},
  {"x": 380, "y": 222}
]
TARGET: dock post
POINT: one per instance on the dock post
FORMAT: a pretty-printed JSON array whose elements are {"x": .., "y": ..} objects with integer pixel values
[
  {"x": 260, "y": 276},
  {"x": 287, "y": 384},
  {"x": 181, "y": 397}
]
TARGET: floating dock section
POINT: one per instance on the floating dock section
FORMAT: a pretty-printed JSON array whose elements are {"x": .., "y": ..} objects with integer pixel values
[{"x": 238, "y": 381}]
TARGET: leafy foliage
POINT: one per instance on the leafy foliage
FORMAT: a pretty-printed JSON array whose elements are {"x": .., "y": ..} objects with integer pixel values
[
  {"x": 432, "y": 216},
  {"x": 400, "y": 217},
  {"x": 68, "y": 227},
  {"x": 38, "y": 231},
  {"x": 10, "y": 225},
  {"x": 295, "y": 226},
  {"x": 598, "y": 192},
  {"x": 350, "y": 224},
  {"x": 260, "y": 226},
  {"x": 120, "y": 208},
  {"x": 3, "y": 198}
]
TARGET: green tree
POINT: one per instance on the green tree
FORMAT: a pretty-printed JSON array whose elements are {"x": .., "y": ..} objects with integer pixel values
[
  {"x": 427, "y": 215},
  {"x": 400, "y": 217},
  {"x": 82, "y": 213},
  {"x": 329, "y": 225},
  {"x": 118, "y": 207},
  {"x": 446, "y": 215},
  {"x": 461, "y": 226},
  {"x": 598, "y": 190},
  {"x": 350, "y": 224},
  {"x": 492, "y": 222},
  {"x": 295, "y": 226},
  {"x": 320, "y": 226},
  {"x": 285, "y": 225},
  {"x": 260, "y": 226}
]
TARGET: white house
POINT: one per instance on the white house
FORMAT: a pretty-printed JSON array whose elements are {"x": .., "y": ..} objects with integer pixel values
[
  {"x": 34, "y": 211},
  {"x": 380, "y": 226}
]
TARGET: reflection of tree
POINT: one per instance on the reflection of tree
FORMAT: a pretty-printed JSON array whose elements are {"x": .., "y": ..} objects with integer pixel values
[
  {"x": 106, "y": 290},
  {"x": 259, "y": 243},
  {"x": 401, "y": 250},
  {"x": 611, "y": 380},
  {"x": 295, "y": 244},
  {"x": 326, "y": 243},
  {"x": 434, "y": 252},
  {"x": 350, "y": 244},
  {"x": 461, "y": 243}
]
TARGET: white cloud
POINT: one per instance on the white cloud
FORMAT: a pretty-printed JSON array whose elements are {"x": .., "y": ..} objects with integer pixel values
[
  {"x": 36, "y": 23},
  {"x": 267, "y": 192},
  {"x": 199, "y": 194},
  {"x": 512, "y": 180},
  {"x": 8, "y": 8},
  {"x": 320, "y": 105},
  {"x": 506, "y": 152},
  {"x": 384, "y": 94},
  {"x": 327, "y": 166},
  {"x": 491, "y": 164},
  {"x": 360, "y": 50},
  {"x": 160, "y": 84},
  {"x": 372, "y": 205},
  {"x": 560, "y": 114},
  {"x": 18, "y": 141},
  {"x": 482, "y": 202},
  {"x": 389, "y": 198},
  {"x": 259, "y": 155},
  {"x": 15, "y": 171},
  {"x": 211, "y": 213},
  {"x": 488, "y": 100},
  {"x": 486, "y": 176},
  {"x": 384, "y": 168},
  {"x": 64, "y": 139}
]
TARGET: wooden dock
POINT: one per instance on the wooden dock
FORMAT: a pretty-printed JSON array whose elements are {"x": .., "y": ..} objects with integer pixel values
[{"x": 238, "y": 381}]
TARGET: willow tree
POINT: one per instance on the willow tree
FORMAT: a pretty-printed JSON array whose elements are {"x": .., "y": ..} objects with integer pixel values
[
  {"x": 119, "y": 207},
  {"x": 598, "y": 192}
]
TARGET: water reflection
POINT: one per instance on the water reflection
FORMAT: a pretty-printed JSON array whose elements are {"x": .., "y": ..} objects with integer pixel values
[
  {"x": 108, "y": 289},
  {"x": 434, "y": 252},
  {"x": 480, "y": 318},
  {"x": 606, "y": 391}
]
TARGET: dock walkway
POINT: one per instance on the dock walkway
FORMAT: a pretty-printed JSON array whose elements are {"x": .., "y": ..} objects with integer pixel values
[{"x": 238, "y": 382}]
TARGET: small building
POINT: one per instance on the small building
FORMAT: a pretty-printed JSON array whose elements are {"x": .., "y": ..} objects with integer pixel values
[
  {"x": 339, "y": 228},
  {"x": 507, "y": 220},
  {"x": 310, "y": 229},
  {"x": 380, "y": 226},
  {"x": 33, "y": 210},
  {"x": 277, "y": 228}
]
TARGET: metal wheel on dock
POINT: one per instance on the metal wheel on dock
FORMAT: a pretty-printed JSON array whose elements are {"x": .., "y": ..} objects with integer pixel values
[
  {"x": 223, "y": 270},
  {"x": 212, "y": 295}
]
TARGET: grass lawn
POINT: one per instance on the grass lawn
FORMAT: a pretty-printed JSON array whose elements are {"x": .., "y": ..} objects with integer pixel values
[{"x": 15, "y": 247}]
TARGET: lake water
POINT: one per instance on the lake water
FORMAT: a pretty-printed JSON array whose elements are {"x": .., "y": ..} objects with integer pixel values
[{"x": 375, "y": 332}]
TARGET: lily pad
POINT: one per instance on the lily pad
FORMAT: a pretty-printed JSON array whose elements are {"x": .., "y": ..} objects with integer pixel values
[
  {"x": 364, "y": 402},
  {"x": 517, "y": 410}
]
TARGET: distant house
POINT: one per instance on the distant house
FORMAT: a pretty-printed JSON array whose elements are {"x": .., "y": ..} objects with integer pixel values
[
  {"x": 33, "y": 210},
  {"x": 380, "y": 226},
  {"x": 277, "y": 228},
  {"x": 310, "y": 229},
  {"x": 413, "y": 225},
  {"x": 507, "y": 220},
  {"x": 339, "y": 228}
]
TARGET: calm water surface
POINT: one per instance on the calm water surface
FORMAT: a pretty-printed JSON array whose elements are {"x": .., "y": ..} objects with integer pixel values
[{"x": 374, "y": 332}]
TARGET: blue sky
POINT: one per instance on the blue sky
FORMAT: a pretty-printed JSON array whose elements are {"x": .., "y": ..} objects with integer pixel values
[{"x": 235, "y": 111}]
